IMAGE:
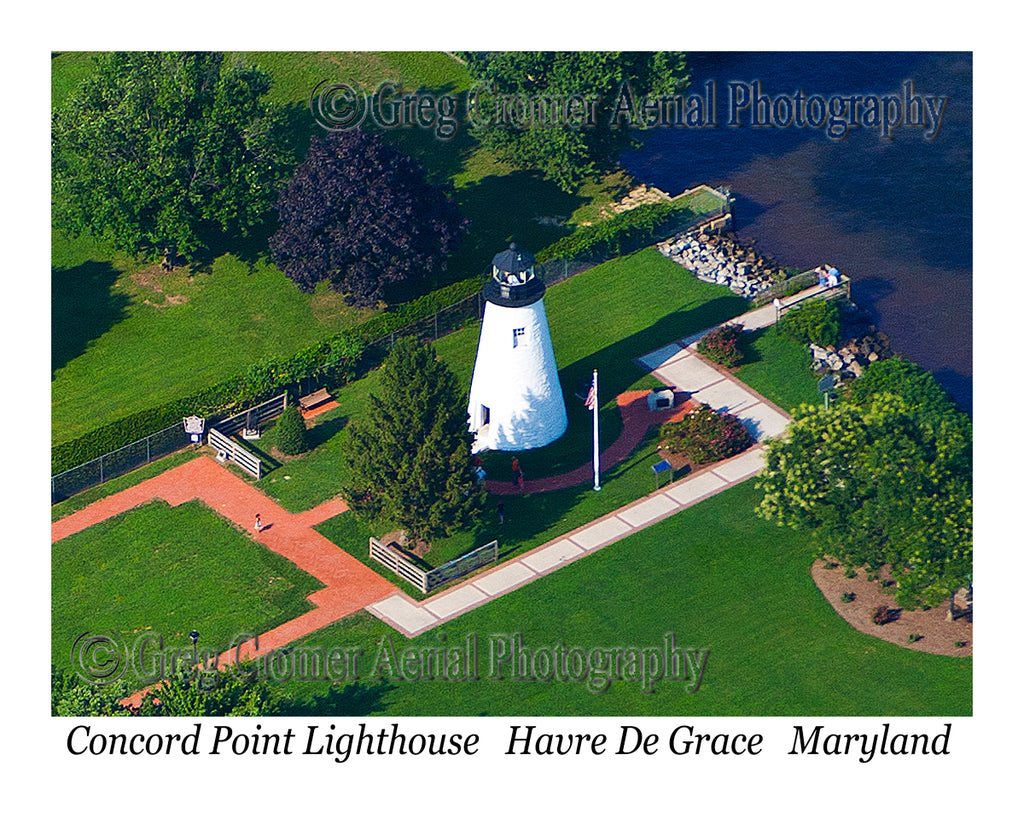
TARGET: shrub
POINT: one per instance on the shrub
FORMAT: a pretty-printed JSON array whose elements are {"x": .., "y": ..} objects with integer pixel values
[
  {"x": 882, "y": 615},
  {"x": 704, "y": 436},
  {"x": 816, "y": 322},
  {"x": 911, "y": 382},
  {"x": 338, "y": 357},
  {"x": 850, "y": 573},
  {"x": 621, "y": 234},
  {"x": 913, "y": 638},
  {"x": 848, "y": 597},
  {"x": 291, "y": 431},
  {"x": 721, "y": 345}
]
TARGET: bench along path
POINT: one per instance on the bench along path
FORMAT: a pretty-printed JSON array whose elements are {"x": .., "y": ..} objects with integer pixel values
[{"x": 677, "y": 365}]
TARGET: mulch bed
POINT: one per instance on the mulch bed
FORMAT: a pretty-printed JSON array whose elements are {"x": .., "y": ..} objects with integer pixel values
[{"x": 938, "y": 634}]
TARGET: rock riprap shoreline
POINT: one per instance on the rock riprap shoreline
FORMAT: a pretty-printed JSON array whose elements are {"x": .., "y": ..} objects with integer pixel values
[{"x": 719, "y": 258}]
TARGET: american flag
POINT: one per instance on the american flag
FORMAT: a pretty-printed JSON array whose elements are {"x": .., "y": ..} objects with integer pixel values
[{"x": 591, "y": 401}]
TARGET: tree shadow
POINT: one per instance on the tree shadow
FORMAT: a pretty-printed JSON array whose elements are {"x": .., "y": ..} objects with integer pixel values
[
  {"x": 356, "y": 700},
  {"x": 83, "y": 307},
  {"x": 745, "y": 212},
  {"x": 325, "y": 430},
  {"x": 959, "y": 386},
  {"x": 866, "y": 293},
  {"x": 518, "y": 207},
  {"x": 747, "y": 344}
]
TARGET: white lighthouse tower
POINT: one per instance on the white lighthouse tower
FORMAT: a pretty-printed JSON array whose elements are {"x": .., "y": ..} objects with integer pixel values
[{"x": 515, "y": 401}]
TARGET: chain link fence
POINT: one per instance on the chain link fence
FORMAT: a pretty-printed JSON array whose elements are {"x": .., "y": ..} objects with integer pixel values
[
  {"x": 428, "y": 329},
  {"x": 116, "y": 463}
]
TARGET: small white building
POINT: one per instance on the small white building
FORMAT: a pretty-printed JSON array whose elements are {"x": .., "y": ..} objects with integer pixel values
[{"x": 515, "y": 400}]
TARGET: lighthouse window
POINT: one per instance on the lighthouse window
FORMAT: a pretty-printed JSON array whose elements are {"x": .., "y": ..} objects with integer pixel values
[{"x": 518, "y": 336}]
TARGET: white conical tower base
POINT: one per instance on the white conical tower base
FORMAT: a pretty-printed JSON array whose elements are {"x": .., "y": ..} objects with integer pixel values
[{"x": 515, "y": 401}]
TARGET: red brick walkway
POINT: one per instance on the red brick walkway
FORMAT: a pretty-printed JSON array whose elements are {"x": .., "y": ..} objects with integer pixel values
[
  {"x": 636, "y": 420},
  {"x": 349, "y": 586}
]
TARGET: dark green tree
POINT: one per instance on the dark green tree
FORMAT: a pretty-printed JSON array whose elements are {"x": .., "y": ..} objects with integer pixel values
[
  {"x": 235, "y": 691},
  {"x": 359, "y": 214},
  {"x": 291, "y": 431},
  {"x": 167, "y": 149},
  {"x": 517, "y": 92},
  {"x": 71, "y": 696},
  {"x": 408, "y": 460}
]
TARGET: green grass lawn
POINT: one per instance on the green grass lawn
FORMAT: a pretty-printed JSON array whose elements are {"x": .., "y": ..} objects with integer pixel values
[
  {"x": 778, "y": 368},
  {"x": 126, "y": 340},
  {"x": 163, "y": 571},
  {"x": 162, "y": 337},
  {"x": 642, "y": 301},
  {"x": 717, "y": 577}
]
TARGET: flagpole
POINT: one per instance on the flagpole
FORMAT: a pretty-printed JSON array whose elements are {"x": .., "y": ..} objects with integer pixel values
[{"x": 597, "y": 450}]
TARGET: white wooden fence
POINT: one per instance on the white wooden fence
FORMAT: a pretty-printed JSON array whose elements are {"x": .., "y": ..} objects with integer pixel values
[
  {"x": 233, "y": 452},
  {"x": 427, "y": 581}
]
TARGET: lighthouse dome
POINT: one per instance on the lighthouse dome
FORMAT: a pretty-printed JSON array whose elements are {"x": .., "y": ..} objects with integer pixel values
[{"x": 516, "y": 279}]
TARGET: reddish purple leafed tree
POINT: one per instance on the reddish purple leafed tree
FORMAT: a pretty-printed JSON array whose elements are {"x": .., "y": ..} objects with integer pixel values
[{"x": 360, "y": 215}]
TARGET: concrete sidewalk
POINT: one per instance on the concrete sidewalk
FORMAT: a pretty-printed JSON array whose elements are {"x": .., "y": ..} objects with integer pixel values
[
  {"x": 412, "y": 617},
  {"x": 684, "y": 370},
  {"x": 678, "y": 365}
]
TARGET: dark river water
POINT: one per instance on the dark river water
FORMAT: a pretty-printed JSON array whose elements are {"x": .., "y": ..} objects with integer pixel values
[{"x": 891, "y": 210}]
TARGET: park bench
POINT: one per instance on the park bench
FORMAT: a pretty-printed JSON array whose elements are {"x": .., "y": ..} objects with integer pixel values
[{"x": 314, "y": 399}]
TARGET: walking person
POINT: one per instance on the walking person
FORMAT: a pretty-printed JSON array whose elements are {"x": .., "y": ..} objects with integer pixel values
[
  {"x": 259, "y": 523},
  {"x": 501, "y": 512}
]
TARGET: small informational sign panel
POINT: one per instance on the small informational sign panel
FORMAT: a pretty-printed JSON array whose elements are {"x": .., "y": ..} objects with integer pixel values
[{"x": 194, "y": 426}]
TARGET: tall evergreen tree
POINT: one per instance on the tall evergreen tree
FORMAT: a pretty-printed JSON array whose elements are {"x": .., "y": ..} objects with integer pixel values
[{"x": 408, "y": 459}]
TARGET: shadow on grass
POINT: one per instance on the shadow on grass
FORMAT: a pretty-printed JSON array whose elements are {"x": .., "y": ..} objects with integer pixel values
[
  {"x": 748, "y": 345},
  {"x": 83, "y": 307},
  {"x": 354, "y": 700},
  {"x": 321, "y": 433},
  {"x": 517, "y": 207}
]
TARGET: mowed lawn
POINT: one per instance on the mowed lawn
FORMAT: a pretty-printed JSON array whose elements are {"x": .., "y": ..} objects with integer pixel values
[
  {"x": 163, "y": 571},
  {"x": 602, "y": 318},
  {"x": 127, "y": 337},
  {"x": 716, "y": 577},
  {"x": 163, "y": 337}
]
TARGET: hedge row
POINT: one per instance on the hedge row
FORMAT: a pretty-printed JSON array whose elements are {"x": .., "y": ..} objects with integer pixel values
[
  {"x": 405, "y": 314},
  {"x": 624, "y": 233},
  {"x": 337, "y": 356}
]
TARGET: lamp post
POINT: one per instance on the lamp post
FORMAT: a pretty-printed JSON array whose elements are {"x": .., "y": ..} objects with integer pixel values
[
  {"x": 194, "y": 635},
  {"x": 825, "y": 386}
]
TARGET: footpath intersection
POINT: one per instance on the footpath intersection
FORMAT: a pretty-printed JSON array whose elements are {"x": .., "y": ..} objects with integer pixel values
[
  {"x": 350, "y": 586},
  {"x": 678, "y": 366}
]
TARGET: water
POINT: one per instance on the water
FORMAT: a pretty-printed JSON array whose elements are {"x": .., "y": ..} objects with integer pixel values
[{"x": 893, "y": 214}]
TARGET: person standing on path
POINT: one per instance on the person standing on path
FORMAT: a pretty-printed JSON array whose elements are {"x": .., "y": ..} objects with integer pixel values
[{"x": 259, "y": 524}]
